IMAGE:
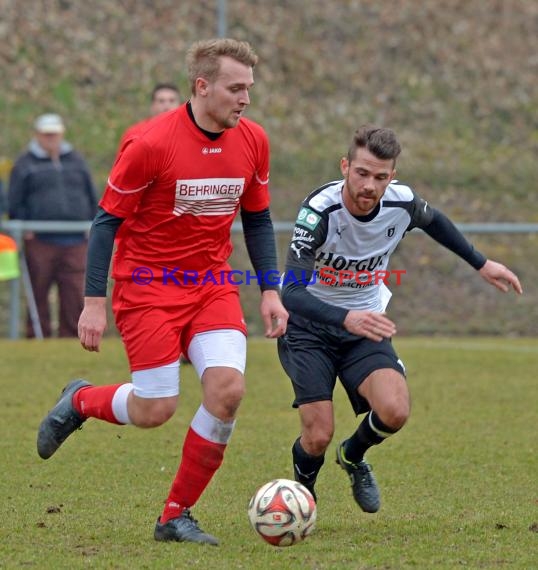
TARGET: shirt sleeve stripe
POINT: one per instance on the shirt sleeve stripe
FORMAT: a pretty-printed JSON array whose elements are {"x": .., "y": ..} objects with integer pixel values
[
  {"x": 116, "y": 189},
  {"x": 266, "y": 181}
]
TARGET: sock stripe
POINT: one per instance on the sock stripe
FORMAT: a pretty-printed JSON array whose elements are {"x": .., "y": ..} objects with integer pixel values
[
  {"x": 376, "y": 430},
  {"x": 207, "y": 426},
  {"x": 119, "y": 403}
]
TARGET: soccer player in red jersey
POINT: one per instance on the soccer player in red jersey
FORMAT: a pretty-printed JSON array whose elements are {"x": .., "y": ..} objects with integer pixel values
[
  {"x": 174, "y": 192},
  {"x": 164, "y": 97}
]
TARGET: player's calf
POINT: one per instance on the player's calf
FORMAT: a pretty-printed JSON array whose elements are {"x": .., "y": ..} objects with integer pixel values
[{"x": 306, "y": 467}]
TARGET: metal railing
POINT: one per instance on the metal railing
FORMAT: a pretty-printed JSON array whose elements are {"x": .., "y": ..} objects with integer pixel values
[{"x": 17, "y": 229}]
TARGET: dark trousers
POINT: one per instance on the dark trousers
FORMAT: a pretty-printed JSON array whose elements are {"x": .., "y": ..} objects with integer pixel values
[{"x": 64, "y": 265}]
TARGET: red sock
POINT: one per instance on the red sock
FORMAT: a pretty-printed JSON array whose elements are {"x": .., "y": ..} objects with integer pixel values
[
  {"x": 201, "y": 459},
  {"x": 96, "y": 402}
]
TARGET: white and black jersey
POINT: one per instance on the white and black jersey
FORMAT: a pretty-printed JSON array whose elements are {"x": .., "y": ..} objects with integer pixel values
[{"x": 337, "y": 261}]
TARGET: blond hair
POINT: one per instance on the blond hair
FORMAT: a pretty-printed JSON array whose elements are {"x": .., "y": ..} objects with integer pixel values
[{"x": 203, "y": 57}]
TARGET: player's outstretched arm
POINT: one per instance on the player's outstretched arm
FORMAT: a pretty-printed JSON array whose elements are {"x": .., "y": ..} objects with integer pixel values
[
  {"x": 374, "y": 326},
  {"x": 500, "y": 276},
  {"x": 274, "y": 315},
  {"x": 92, "y": 323}
]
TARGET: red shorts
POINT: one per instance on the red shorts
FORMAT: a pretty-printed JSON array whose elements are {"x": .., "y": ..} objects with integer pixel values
[{"x": 157, "y": 322}]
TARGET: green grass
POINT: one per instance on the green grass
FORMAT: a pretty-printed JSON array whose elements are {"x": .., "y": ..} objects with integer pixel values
[{"x": 458, "y": 483}]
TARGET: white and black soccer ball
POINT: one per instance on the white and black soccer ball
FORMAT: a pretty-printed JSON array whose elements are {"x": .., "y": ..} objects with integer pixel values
[{"x": 282, "y": 512}]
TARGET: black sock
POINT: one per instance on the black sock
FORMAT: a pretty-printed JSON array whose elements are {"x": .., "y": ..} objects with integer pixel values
[
  {"x": 371, "y": 431},
  {"x": 305, "y": 466}
]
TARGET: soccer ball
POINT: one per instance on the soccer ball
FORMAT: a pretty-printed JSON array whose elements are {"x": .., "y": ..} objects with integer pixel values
[{"x": 282, "y": 512}]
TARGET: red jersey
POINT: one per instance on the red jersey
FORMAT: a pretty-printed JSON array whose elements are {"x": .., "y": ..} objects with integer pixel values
[
  {"x": 136, "y": 130},
  {"x": 133, "y": 131},
  {"x": 179, "y": 192}
]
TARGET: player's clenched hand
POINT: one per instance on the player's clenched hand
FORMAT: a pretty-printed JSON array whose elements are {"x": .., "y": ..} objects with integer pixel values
[
  {"x": 500, "y": 276},
  {"x": 274, "y": 315},
  {"x": 374, "y": 326},
  {"x": 92, "y": 323}
]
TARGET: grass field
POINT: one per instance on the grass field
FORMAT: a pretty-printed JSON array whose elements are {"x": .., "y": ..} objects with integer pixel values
[{"x": 459, "y": 483}]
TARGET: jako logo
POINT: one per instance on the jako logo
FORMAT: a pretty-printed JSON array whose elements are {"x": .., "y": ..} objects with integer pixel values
[{"x": 214, "y": 150}]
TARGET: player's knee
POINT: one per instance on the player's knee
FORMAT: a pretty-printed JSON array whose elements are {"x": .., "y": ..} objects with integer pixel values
[
  {"x": 233, "y": 391},
  {"x": 156, "y": 418},
  {"x": 395, "y": 413},
  {"x": 321, "y": 443},
  {"x": 155, "y": 413},
  {"x": 230, "y": 397},
  {"x": 224, "y": 388},
  {"x": 317, "y": 441}
]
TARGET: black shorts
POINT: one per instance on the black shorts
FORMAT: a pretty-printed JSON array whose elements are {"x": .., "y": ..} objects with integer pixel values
[{"x": 314, "y": 355}]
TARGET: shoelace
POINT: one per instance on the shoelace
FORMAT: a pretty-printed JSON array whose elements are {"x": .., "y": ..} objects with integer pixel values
[
  {"x": 187, "y": 514},
  {"x": 363, "y": 471}
]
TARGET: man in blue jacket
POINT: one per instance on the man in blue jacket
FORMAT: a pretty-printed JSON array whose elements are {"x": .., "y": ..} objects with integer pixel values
[{"x": 51, "y": 181}]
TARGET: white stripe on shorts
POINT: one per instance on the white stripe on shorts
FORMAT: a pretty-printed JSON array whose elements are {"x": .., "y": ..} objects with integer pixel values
[
  {"x": 226, "y": 347},
  {"x": 160, "y": 382}
]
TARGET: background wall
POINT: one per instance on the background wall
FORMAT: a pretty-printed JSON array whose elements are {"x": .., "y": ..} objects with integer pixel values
[{"x": 455, "y": 79}]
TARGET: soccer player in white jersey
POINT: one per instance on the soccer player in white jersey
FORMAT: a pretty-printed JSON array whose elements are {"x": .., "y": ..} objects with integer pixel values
[{"x": 333, "y": 288}]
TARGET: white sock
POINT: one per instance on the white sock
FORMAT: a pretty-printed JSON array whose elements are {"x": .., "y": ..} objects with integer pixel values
[
  {"x": 211, "y": 428},
  {"x": 119, "y": 403}
]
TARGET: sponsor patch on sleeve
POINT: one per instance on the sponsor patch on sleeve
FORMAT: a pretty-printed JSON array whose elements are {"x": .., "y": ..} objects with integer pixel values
[{"x": 308, "y": 218}]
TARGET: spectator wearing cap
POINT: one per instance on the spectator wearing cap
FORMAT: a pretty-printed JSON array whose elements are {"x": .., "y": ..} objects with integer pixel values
[{"x": 51, "y": 181}]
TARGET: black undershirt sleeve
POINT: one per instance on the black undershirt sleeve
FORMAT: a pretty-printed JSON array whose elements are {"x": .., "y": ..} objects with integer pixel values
[
  {"x": 261, "y": 246},
  {"x": 443, "y": 231},
  {"x": 297, "y": 299},
  {"x": 300, "y": 265},
  {"x": 100, "y": 247}
]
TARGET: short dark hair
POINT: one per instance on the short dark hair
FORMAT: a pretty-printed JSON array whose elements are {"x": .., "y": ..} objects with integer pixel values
[
  {"x": 381, "y": 142},
  {"x": 159, "y": 86}
]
